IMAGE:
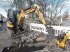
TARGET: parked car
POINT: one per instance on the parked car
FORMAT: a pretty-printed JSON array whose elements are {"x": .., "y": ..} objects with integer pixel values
[{"x": 1, "y": 20}]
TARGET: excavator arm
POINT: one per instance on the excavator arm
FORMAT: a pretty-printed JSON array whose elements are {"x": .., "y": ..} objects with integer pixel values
[
  {"x": 24, "y": 12},
  {"x": 40, "y": 15},
  {"x": 35, "y": 9}
]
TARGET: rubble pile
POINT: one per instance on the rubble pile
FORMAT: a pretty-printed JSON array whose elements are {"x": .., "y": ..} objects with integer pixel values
[{"x": 28, "y": 44}]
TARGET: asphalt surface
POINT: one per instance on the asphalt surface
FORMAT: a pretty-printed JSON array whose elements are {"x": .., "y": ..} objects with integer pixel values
[{"x": 4, "y": 39}]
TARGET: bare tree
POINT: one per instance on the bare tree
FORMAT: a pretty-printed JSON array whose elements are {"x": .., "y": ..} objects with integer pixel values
[
  {"x": 54, "y": 9},
  {"x": 65, "y": 15},
  {"x": 22, "y": 4},
  {"x": 9, "y": 4}
]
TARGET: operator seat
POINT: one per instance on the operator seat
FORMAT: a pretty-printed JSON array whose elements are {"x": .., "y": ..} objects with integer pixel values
[{"x": 61, "y": 36}]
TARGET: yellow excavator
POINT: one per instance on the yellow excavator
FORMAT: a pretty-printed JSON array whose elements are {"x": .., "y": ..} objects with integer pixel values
[
  {"x": 62, "y": 38},
  {"x": 15, "y": 18}
]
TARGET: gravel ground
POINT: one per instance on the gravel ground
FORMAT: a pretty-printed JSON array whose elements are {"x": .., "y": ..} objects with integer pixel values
[{"x": 5, "y": 41}]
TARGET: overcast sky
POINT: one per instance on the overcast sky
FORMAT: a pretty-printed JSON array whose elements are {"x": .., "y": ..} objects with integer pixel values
[{"x": 67, "y": 5}]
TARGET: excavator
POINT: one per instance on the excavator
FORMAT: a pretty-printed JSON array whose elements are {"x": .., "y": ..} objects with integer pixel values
[
  {"x": 62, "y": 38},
  {"x": 15, "y": 18}
]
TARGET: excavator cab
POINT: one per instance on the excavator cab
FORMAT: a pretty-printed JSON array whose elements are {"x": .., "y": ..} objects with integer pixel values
[
  {"x": 13, "y": 21},
  {"x": 61, "y": 36},
  {"x": 61, "y": 39}
]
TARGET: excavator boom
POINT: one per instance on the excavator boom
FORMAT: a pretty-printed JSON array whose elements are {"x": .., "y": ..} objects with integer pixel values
[{"x": 30, "y": 10}]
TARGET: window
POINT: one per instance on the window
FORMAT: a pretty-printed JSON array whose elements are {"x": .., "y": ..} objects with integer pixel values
[{"x": 10, "y": 13}]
